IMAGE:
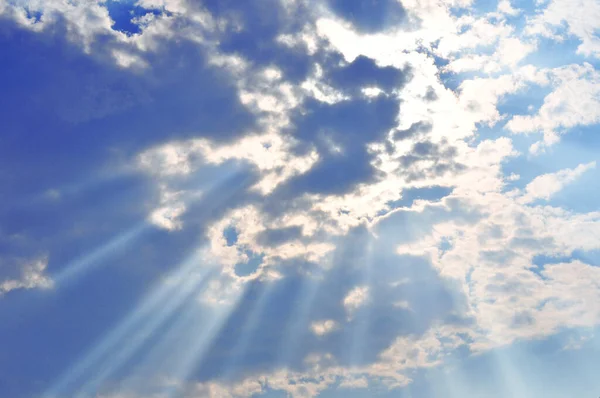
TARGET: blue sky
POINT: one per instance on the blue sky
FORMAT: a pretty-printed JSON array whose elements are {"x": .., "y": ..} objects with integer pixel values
[{"x": 298, "y": 198}]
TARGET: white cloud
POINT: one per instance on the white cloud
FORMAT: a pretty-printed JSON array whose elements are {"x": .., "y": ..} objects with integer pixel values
[
  {"x": 269, "y": 153},
  {"x": 355, "y": 299},
  {"x": 529, "y": 306},
  {"x": 402, "y": 304},
  {"x": 224, "y": 291},
  {"x": 574, "y": 101},
  {"x": 250, "y": 223},
  {"x": 354, "y": 383},
  {"x": 32, "y": 275},
  {"x": 578, "y": 341},
  {"x": 479, "y": 32},
  {"x": 582, "y": 19},
  {"x": 413, "y": 352},
  {"x": 546, "y": 185},
  {"x": 168, "y": 159},
  {"x": 167, "y": 217},
  {"x": 321, "y": 328},
  {"x": 493, "y": 259},
  {"x": 505, "y": 7},
  {"x": 371, "y": 91}
]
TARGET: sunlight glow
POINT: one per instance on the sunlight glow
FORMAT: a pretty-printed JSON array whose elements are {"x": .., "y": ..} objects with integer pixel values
[
  {"x": 85, "y": 263},
  {"x": 156, "y": 306},
  {"x": 247, "y": 332},
  {"x": 179, "y": 291},
  {"x": 182, "y": 346},
  {"x": 204, "y": 334},
  {"x": 295, "y": 327},
  {"x": 362, "y": 319}
]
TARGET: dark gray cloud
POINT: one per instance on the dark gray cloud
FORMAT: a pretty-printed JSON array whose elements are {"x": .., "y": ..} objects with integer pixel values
[
  {"x": 349, "y": 126},
  {"x": 414, "y": 129},
  {"x": 370, "y": 15},
  {"x": 442, "y": 155},
  {"x": 433, "y": 193},
  {"x": 364, "y": 72},
  {"x": 430, "y": 95},
  {"x": 253, "y": 31}
]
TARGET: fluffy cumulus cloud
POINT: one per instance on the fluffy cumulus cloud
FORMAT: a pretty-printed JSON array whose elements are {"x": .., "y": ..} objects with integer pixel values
[{"x": 287, "y": 197}]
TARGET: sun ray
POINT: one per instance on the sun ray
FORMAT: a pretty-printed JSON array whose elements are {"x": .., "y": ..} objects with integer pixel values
[
  {"x": 249, "y": 329},
  {"x": 183, "y": 345},
  {"x": 507, "y": 371},
  {"x": 362, "y": 320},
  {"x": 179, "y": 293},
  {"x": 204, "y": 334},
  {"x": 450, "y": 386},
  {"x": 148, "y": 304},
  {"x": 104, "y": 348},
  {"x": 298, "y": 321},
  {"x": 85, "y": 263},
  {"x": 173, "y": 340}
]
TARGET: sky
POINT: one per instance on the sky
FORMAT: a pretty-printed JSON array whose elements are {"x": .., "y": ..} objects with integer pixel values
[{"x": 299, "y": 198}]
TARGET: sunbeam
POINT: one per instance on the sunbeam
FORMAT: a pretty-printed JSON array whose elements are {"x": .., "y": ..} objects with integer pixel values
[
  {"x": 147, "y": 309},
  {"x": 248, "y": 330},
  {"x": 362, "y": 319},
  {"x": 182, "y": 346},
  {"x": 203, "y": 331},
  {"x": 85, "y": 263},
  {"x": 297, "y": 322},
  {"x": 586, "y": 340},
  {"x": 448, "y": 380},
  {"x": 507, "y": 370},
  {"x": 179, "y": 293}
]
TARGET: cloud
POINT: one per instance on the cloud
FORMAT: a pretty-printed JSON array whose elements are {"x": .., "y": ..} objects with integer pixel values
[
  {"x": 364, "y": 72},
  {"x": 31, "y": 276},
  {"x": 509, "y": 53},
  {"x": 505, "y": 7},
  {"x": 323, "y": 327},
  {"x": 367, "y": 16},
  {"x": 546, "y": 185},
  {"x": 492, "y": 257},
  {"x": 355, "y": 299},
  {"x": 581, "y": 21},
  {"x": 573, "y": 102}
]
